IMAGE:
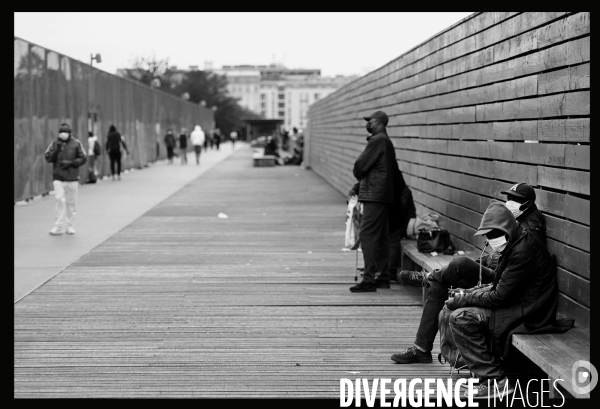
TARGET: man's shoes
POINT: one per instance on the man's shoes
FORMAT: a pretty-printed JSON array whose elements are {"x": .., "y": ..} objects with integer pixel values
[
  {"x": 413, "y": 278},
  {"x": 70, "y": 230},
  {"x": 497, "y": 389},
  {"x": 363, "y": 287},
  {"x": 412, "y": 355},
  {"x": 382, "y": 284},
  {"x": 56, "y": 231}
]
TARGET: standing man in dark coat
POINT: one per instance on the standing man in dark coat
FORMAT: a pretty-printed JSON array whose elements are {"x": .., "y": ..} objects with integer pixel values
[{"x": 374, "y": 169}]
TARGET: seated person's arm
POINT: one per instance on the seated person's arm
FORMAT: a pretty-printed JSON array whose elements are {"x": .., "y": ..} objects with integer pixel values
[{"x": 512, "y": 282}]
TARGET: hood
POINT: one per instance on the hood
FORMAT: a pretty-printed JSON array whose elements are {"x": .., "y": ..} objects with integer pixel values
[
  {"x": 197, "y": 128},
  {"x": 497, "y": 216},
  {"x": 112, "y": 129}
]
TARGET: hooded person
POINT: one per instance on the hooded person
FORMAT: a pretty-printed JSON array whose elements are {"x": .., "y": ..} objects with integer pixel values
[
  {"x": 521, "y": 299},
  {"x": 66, "y": 155},
  {"x": 197, "y": 138}
]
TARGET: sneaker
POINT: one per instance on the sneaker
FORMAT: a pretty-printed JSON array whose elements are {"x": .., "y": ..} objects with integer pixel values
[
  {"x": 363, "y": 287},
  {"x": 413, "y": 278},
  {"x": 70, "y": 230},
  {"x": 413, "y": 355},
  {"x": 56, "y": 231},
  {"x": 500, "y": 390},
  {"x": 382, "y": 284}
]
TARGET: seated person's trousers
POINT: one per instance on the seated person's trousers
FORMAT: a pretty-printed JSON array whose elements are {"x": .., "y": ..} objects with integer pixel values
[{"x": 462, "y": 272}]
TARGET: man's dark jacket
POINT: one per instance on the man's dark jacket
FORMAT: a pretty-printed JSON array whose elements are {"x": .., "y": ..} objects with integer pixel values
[
  {"x": 524, "y": 295},
  {"x": 71, "y": 150},
  {"x": 374, "y": 169},
  {"x": 534, "y": 222}
]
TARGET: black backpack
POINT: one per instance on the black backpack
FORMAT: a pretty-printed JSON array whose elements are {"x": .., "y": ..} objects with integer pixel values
[{"x": 96, "y": 148}]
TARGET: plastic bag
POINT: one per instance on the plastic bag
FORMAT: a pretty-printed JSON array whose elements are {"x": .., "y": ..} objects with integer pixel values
[{"x": 353, "y": 216}]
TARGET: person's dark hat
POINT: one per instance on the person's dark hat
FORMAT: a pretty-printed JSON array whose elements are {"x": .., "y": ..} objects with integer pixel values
[
  {"x": 522, "y": 190},
  {"x": 64, "y": 127},
  {"x": 379, "y": 115}
]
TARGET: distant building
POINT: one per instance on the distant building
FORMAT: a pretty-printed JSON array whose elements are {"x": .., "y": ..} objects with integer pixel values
[{"x": 277, "y": 92}]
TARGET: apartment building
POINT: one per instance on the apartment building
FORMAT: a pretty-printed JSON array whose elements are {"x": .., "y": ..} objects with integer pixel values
[{"x": 277, "y": 92}]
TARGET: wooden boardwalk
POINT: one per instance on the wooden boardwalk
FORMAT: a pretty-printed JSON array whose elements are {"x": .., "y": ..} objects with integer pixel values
[{"x": 181, "y": 303}]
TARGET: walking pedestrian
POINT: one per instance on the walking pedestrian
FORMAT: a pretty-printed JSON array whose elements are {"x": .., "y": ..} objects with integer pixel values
[
  {"x": 170, "y": 144},
  {"x": 211, "y": 138},
  {"x": 66, "y": 155},
  {"x": 217, "y": 138},
  {"x": 183, "y": 146},
  {"x": 374, "y": 169},
  {"x": 198, "y": 139},
  {"x": 92, "y": 154},
  {"x": 114, "y": 140},
  {"x": 233, "y": 136}
]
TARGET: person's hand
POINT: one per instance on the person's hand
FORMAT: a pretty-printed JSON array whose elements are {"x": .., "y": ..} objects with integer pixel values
[
  {"x": 59, "y": 145},
  {"x": 65, "y": 163},
  {"x": 350, "y": 194},
  {"x": 458, "y": 301}
]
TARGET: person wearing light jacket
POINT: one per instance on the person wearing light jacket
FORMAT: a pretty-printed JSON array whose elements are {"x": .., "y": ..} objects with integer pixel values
[
  {"x": 66, "y": 155},
  {"x": 197, "y": 138}
]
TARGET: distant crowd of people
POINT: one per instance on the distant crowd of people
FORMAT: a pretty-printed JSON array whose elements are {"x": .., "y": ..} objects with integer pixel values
[
  {"x": 67, "y": 154},
  {"x": 287, "y": 147}
]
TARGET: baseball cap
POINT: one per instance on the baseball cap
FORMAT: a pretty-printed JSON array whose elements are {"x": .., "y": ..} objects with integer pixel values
[
  {"x": 379, "y": 115},
  {"x": 521, "y": 190},
  {"x": 484, "y": 231}
]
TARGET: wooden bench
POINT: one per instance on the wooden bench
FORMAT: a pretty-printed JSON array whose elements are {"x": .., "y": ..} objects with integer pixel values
[
  {"x": 555, "y": 354},
  {"x": 263, "y": 160}
]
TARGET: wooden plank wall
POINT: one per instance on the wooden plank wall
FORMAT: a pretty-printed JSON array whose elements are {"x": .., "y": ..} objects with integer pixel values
[
  {"x": 50, "y": 88},
  {"x": 496, "y": 99}
]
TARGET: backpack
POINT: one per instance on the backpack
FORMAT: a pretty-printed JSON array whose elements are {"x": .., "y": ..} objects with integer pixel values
[
  {"x": 435, "y": 239},
  {"x": 96, "y": 148},
  {"x": 449, "y": 352}
]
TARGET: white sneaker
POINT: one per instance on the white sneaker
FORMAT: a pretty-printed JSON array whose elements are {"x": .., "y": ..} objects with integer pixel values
[
  {"x": 70, "y": 230},
  {"x": 56, "y": 231}
]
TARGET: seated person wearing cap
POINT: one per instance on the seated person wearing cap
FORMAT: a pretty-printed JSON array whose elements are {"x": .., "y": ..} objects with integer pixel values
[
  {"x": 463, "y": 272},
  {"x": 522, "y": 299}
]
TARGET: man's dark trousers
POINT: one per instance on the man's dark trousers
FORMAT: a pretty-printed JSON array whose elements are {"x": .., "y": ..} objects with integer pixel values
[
  {"x": 375, "y": 240},
  {"x": 462, "y": 272}
]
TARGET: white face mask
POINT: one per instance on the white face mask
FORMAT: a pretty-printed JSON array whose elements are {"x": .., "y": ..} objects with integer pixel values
[
  {"x": 514, "y": 208},
  {"x": 498, "y": 243},
  {"x": 63, "y": 135}
]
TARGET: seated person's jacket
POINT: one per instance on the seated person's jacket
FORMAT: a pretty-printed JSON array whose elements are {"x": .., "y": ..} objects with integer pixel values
[{"x": 524, "y": 293}]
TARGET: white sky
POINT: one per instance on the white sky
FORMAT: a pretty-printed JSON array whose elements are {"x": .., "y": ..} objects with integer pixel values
[{"x": 336, "y": 43}]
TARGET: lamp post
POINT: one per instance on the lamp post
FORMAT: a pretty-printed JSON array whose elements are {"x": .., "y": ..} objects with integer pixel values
[{"x": 98, "y": 58}]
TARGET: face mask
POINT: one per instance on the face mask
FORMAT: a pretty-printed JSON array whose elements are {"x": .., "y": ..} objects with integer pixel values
[
  {"x": 369, "y": 127},
  {"x": 514, "y": 208},
  {"x": 498, "y": 243},
  {"x": 63, "y": 135}
]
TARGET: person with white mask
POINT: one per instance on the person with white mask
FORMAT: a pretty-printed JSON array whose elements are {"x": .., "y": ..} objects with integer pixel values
[
  {"x": 463, "y": 272},
  {"x": 66, "y": 155},
  {"x": 197, "y": 138},
  {"x": 520, "y": 200}
]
